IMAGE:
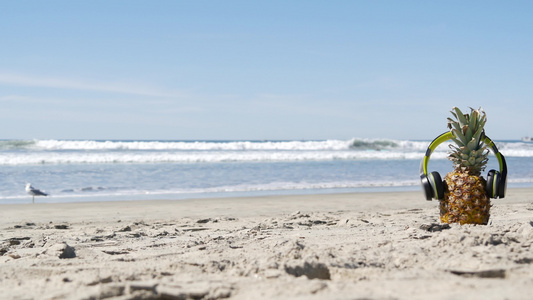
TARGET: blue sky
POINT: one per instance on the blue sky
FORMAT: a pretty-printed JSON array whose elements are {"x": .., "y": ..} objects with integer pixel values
[{"x": 262, "y": 69}]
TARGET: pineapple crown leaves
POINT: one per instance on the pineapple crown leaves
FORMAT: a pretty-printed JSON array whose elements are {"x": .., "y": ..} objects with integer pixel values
[
  {"x": 468, "y": 129},
  {"x": 469, "y": 153}
]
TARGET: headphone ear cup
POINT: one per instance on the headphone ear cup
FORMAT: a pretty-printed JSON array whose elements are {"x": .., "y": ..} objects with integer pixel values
[
  {"x": 437, "y": 185},
  {"x": 502, "y": 187},
  {"x": 426, "y": 187},
  {"x": 493, "y": 184}
]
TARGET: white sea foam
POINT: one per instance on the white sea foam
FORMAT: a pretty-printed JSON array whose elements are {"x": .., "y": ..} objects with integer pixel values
[
  {"x": 105, "y": 170},
  {"x": 515, "y": 149},
  {"x": 357, "y": 144},
  {"x": 201, "y": 157},
  {"x": 105, "y": 152},
  {"x": 193, "y": 145},
  {"x": 237, "y": 188}
]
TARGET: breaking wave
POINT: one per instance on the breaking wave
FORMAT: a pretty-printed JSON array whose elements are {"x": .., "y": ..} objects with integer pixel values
[
  {"x": 359, "y": 144},
  {"x": 19, "y": 152}
]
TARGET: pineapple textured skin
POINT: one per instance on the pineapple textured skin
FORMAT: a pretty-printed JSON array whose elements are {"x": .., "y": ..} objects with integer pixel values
[{"x": 465, "y": 199}]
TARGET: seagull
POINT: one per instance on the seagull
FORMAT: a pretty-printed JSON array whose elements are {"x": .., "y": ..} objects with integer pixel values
[{"x": 34, "y": 192}]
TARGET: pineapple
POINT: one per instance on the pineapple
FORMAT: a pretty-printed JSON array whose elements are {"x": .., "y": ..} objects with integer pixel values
[{"x": 465, "y": 199}]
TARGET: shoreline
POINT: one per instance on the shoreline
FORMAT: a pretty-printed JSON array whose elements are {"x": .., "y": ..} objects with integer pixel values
[
  {"x": 376, "y": 245},
  {"x": 248, "y": 205}
]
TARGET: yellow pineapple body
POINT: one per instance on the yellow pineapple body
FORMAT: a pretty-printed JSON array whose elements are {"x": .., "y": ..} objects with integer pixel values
[{"x": 465, "y": 199}]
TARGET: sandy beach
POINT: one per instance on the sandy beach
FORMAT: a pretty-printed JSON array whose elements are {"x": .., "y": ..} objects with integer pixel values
[{"x": 334, "y": 246}]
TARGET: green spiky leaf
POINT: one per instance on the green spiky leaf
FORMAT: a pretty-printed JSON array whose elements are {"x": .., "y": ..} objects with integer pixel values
[
  {"x": 469, "y": 152},
  {"x": 460, "y": 116},
  {"x": 460, "y": 136}
]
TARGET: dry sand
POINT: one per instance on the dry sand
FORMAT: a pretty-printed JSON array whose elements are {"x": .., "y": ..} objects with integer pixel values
[{"x": 339, "y": 246}]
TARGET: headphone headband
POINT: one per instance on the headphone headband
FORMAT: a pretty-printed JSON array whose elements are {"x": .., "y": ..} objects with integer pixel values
[
  {"x": 433, "y": 185},
  {"x": 448, "y": 136}
]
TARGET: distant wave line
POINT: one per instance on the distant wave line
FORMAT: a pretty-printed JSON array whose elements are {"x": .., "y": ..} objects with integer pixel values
[
  {"x": 201, "y": 157},
  {"x": 351, "y": 144}
]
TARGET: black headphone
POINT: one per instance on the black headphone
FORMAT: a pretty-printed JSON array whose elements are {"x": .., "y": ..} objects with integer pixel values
[{"x": 433, "y": 185}]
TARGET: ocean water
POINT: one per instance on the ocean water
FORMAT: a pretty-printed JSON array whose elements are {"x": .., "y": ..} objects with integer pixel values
[{"x": 92, "y": 170}]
